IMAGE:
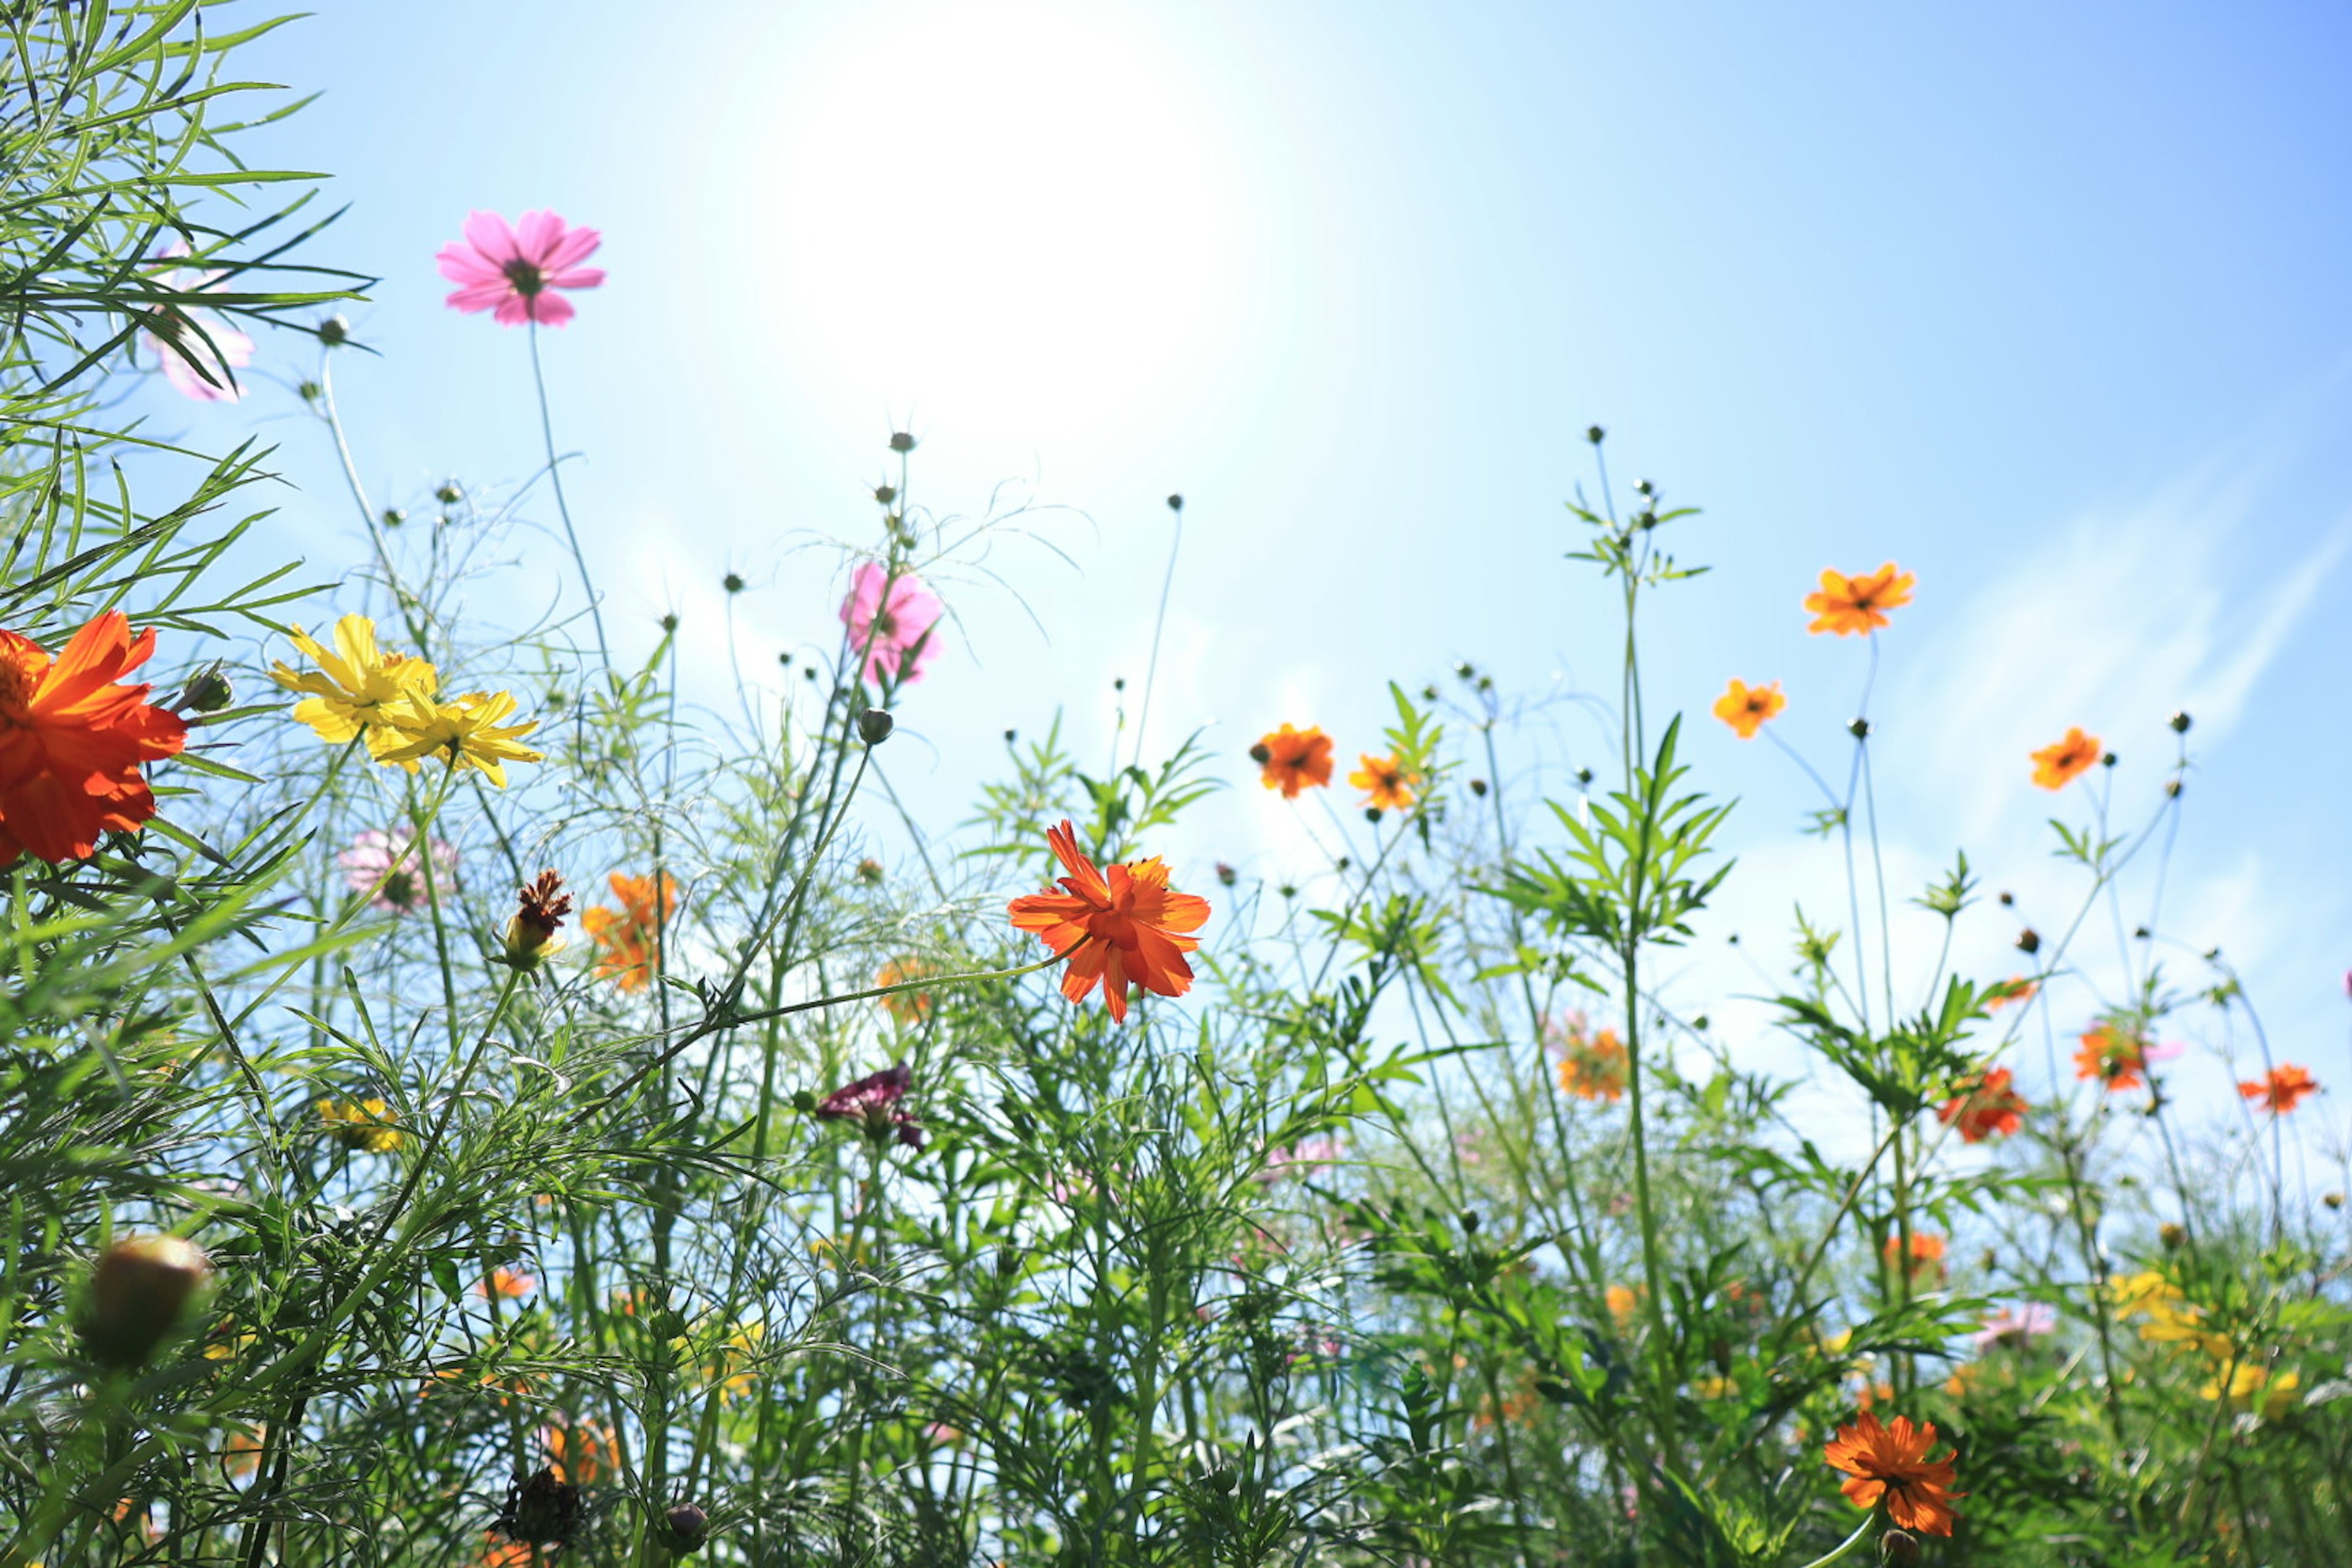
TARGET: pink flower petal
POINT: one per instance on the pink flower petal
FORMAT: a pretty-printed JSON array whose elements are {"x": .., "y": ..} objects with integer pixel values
[
  {"x": 513, "y": 310},
  {"x": 488, "y": 233},
  {"x": 461, "y": 264},
  {"x": 577, "y": 278},
  {"x": 551, "y": 310},
  {"x": 571, "y": 249},
  {"x": 537, "y": 235}
]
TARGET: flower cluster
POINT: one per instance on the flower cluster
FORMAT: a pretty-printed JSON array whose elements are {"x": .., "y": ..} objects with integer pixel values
[
  {"x": 1294, "y": 761},
  {"x": 361, "y": 691}
]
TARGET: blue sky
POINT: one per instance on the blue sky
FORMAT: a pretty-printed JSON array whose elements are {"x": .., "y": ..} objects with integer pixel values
[{"x": 2045, "y": 303}]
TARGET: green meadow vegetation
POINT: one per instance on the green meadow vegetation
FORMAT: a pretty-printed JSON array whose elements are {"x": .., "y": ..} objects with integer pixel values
[{"x": 463, "y": 1103}]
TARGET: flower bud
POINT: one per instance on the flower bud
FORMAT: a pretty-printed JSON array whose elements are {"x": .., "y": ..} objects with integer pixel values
[
  {"x": 2006, "y": 898},
  {"x": 449, "y": 494},
  {"x": 2180, "y": 722},
  {"x": 688, "y": 1528},
  {"x": 334, "y": 332},
  {"x": 1860, "y": 729},
  {"x": 1595, "y": 434},
  {"x": 530, "y": 937},
  {"x": 900, "y": 442},
  {"x": 1478, "y": 788},
  {"x": 2174, "y": 1236},
  {"x": 207, "y": 691},
  {"x": 1259, "y": 754},
  {"x": 138, "y": 1294},
  {"x": 874, "y": 726},
  {"x": 2172, "y": 789},
  {"x": 869, "y": 871},
  {"x": 1226, "y": 874},
  {"x": 669, "y": 622},
  {"x": 733, "y": 583},
  {"x": 1584, "y": 777},
  {"x": 1898, "y": 1548},
  {"x": 2109, "y": 760},
  {"x": 309, "y": 390},
  {"x": 2029, "y": 940},
  {"x": 2333, "y": 1200},
  {"x": 394, "y": 517},
  {"x": 1175, "y": 503}
]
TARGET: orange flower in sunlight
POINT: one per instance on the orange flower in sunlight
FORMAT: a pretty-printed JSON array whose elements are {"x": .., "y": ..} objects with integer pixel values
[
  {"x": 1593, "y": 1064},
  {"x": 1117, "y": 927},
  {"x": 1386, "y": 785},
  {"x": 498, "y": 1552},
  {"x": 1926, "y": 1253},
  {"x": 1986, "y": 1109},
  {"x": 2283, "y": 1090},
  {"x": 2116, "y": 1054},
  {"x": 71, "y": 740},
  {"x": 1891, "y": 1461},
  {"x": 2056, "y": 767},
  {"x": 1746, "y": 707},
  {"x": 907, "y": 1006},
  {"x": 1850, "y": 605},
  {"x": 1623, "y": 1302},
  {"x": 2017, "y": 988},
  {"x": 510, "y": 1283},
  {"x": 1293, "y": 759},
  {"x": 628, "y": 940}
]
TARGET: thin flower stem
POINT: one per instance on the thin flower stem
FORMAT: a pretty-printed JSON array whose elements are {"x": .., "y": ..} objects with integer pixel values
[
  {"x": 1848, "y": 1544},
  {"x": 562, "y": 510},
  {"x": 1159, "y": 624}
]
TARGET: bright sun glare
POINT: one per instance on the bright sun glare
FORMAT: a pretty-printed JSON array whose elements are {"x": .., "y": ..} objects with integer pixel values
[{"x": 1014, "y": 219}]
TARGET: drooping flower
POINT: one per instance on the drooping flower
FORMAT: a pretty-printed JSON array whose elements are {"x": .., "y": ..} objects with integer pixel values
[
  {"x": 512, "y": 270},
  {"x": 198, "y": 351},
  {"x": 530, "y": 937},
  {"x": 1592, "y": 1062},
  {"x": 893, "y": 620},
  {"x": 2057, "y": 766},
  {"x": 356, "y": 685},
  {"x": 1989, "y": 1108},
  {"x": 465, "y": 732},
  {"x": 2016, "y": 1326},
  {"x": 1747, "y": 708},
  {"x": 1847, "y": 605},
  {"x": 1117, "y": 927},
  {"x": 2281, "y": 1090},
  {"x": 382, "y": 864},
  {"x": 629, "y": 939},
  {"x": 72, "y": 738},
  {"x": 1386, "y": 785},
  {"x": 1293, "y": 760},
  {"x": 365, "y": 1125},
  {"x": 873, "y": 1102},
  {"x": 1891, "y": 1461}
]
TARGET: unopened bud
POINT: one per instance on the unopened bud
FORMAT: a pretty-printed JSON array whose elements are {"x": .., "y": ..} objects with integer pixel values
[
  {"x": 2029, "y": 940},
  {"x": 874, "y": 726},
  {"x": 1372, "y": 815},
  {"x": 1260, "y": 755},
  {"x": 688, "y": 1527},
  {"x": 2180, "y": 722},
  {"x": 1860, "y": 729},
  {"x": 138, "y": 1294},
  {"x": 1470, "y": 1222},
  {"x": 1584, "y": 777},
  {"x": 1226, "y": 874},
  {"x": 530, "y": 937},
  {"x": 309, "y": 390},
  {"x": 2172, "y": 788},
  {"x": 1175, "y": 503},
  {"x": 208, "y": 691},
  {"x": 2006, "y": 898},
  {"x": 733, "y": 583},
  {"x": 334, "y": 332},
  {"x": 885, "y": 494},
  {"x": 394, "y": 517},
  {"x": 1898, "y": 1548},
  {"x": 1478, "y": 788},
  {"x": 902, "y": 442},
  {"x": 2333, "y": 1200},
  {"x": 1595, "y": 434},
  {"x": 669, "y": 622},
  {"x": 869, "y": 871},
  {"x": 2174, "y": 1236},
  {"x": 2109, "y": 760},
  {"x": 449, "y": 494}
]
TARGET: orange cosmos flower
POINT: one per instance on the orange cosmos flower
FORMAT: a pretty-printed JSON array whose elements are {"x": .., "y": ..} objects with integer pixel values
[
  {"x": 1986, "y": 1109},
  {"x": 2056, "y": 767},
  {"x": 1746, "y": 707},
  {"x": 2017, "y": 988},
  {"x": 71, "y": 740},
  {"x": 628, "y": 940},
  {"x": 2117, "y": 1056},
  {"x": 1926, "y": 1253},
  {"x": 1622, "y": 1301},
  {"x": 1386, "y": 785},
  {"x": 1593, "y": 1064},
  {"x": 907, "y": 1006},
  {"x": 1848, "y": 605},
  {"x": 1119, "y": 927},
  {"x": 2283, "y": 1090},
  {"x": 511, "y": 1283},
  {"x": 580, "y": 1454},
  {"x": 1293, "y": 759},
  {"x": 1891, "y": 1461}
]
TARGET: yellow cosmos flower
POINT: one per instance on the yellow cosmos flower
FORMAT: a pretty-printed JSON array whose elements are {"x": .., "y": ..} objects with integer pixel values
[
  {"x": 466, "y": 732},
  {"x": 362, "y": 1124},
  {"x": 355, "y": 685}
]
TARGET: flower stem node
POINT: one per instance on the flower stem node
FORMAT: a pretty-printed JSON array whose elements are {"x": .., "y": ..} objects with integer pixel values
[
  {"x": 685, "y": 1529},
  {"x": 138, "y": 1294},
  {"x": 874, "y": 726}
]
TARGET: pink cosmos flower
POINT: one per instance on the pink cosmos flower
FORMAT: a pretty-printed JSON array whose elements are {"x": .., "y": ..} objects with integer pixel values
[
  {"x": 873, "y": 1102},
  {"x": 1301, "y": 1159},
  {"x": 513, "y": 270},
  {"x": 894, "y": 633},
  {"x": 372, "y": 853},
  {"x": 198, "y": 356},
  {"x": 2016, "y": 1326}
]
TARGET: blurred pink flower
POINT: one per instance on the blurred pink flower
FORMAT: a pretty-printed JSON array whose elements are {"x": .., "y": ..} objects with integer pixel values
[
  {"x": 204, "y": 346},
  {"x": 1301, "y": 1159},
  {"x": 2016, "y": 1326},
  {"x": 893, "y": 633},
  {"x": 873, "y": 1102},
  {"x": 372, "y": 853},
  {"x": 514, "y": 270}
]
